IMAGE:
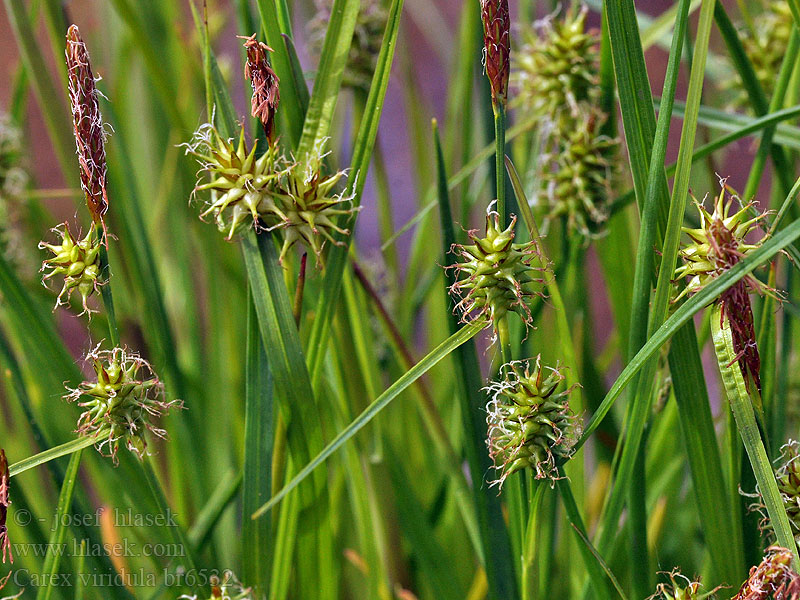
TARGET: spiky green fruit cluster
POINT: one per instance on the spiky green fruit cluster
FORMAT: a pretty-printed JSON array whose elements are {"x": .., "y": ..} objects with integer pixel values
[
  {"x": 121, "y": 403},
  {"x": 241, "y": 183},
  {"x": 307, "y": 206},
  {"x": 576, "y": 176},
  {"x": 495, "y": 276},
  {"x": 679, "y": 587},
  {"x": 270, "y": 192},
  {"x": 788, "y": 477},
  {"x": 365, "y": 45},
  {"x": 719, "y": 243},
  {"x": 530, "y": 422},
  {"x": 78, "y": 260},
  {"x": 557, "y": 69},
  {"x": 765, "y": 45}
]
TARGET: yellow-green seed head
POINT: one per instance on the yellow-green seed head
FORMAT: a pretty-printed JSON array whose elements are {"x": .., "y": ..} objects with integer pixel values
[
  {"x": 530, "y": 423},
  {"x": 556, "y": 69},
  {"x": 679, "y": 587},
  {"x": 495, "y": 276},
  {"x": 241, "y": 184},
  {"x": 121, "y": 403},
  {"x": 576, "y": 176},
  {"x": 765, "y": 46},
  {"x": 306, "y": 205},
  {"x": 77, "y": 260},
  {"x": 365, "y": 45},
  {"x": 718, "y": 244}
]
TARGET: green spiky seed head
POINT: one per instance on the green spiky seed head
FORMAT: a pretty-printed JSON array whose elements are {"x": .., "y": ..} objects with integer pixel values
[
  {"x": 122, "y": 402},
  {"x": 365, "y": 45},
  {"x": 530, "y": 423},
  {"x": 765, "y": 46},
  {"x": 77, "y": 260},
  {"x": 495, "y": 276},
  {"x": 557, "y": 69},
  {"x": 240, "y": 183},
  {"x": 576, "y": 176},
  {"x": 719, "y": 243},
  {"x": 306, "y": 205},
  {"x": 679, "y": 587}
]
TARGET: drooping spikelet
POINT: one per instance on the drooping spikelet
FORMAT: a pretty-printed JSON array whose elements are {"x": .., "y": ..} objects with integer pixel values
[
  {"x": 5, "y": 543},
  {"x": 88, "y": 125},
  {"x": 122, "y": 403},
  {"x": 496, "y": 21},
  {"x": 773, "y": 579},
  {"x": 78, "y": 260},
  {"x": 576, "y": 176},
  {"x": 494, "y": 275},
  {"x": 557, "y": 69},
  {"x": 530, "y": 423},
  {"x": 241, "y": 184},
  {"x": 306, "y": 204},
  {"x": 266, "y": 94},
  {"x": 765, "y": 46},
  {"x": 365, "y": 45},
  {"x": 715, "y": 247}
]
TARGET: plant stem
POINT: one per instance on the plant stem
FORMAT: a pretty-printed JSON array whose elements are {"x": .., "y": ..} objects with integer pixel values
[
  {"x": 105, "y": 288},
  {"x": 742, "y": 408},
  {"x": 500, "y": 153}
]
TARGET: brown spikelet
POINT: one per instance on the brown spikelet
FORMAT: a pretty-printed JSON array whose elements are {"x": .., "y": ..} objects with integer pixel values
[
  {"x": 88, "y": 124},
  {"x": 258, "y": 72},
  {"x": 5, "y": 544},
  {"x": 497, "y": 46},
  {"x": 773, "y": 578}
]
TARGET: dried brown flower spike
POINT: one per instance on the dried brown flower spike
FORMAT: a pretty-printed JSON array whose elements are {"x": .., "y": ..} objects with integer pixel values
[
  {"x": 5, "y": 544},
  {"x": 264, "y": 102},
  {"x": 497, "y": 46},
  {"x": 773, "y": 578},
  {"x": 88, "y": 124}
]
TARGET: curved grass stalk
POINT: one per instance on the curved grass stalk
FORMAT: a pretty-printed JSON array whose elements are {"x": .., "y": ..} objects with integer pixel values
[{"x": 742, "y": 408}]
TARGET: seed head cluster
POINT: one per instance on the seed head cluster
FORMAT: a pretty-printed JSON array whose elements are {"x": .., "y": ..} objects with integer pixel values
[
  {"x": 530, "y": 422},
  {"x": 366, "y": 43},
  {"x": 787, "y": 476},
  {"x": 716, "y": 246},
  {"x": 77, "y": 260},
  {"x": 765, "y": 45},
  {"x": 88, "y": 124},
  {"x": 494, "y": 275},
  {"x": 270, "y": 191},
  {"x": 121, "y": 403},
  {"x": 679, "y": 587},
  {"x": 556, "y": 76}
]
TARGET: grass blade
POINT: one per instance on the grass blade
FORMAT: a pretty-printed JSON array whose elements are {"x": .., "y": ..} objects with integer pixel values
[{"x": 437, "y": 354}]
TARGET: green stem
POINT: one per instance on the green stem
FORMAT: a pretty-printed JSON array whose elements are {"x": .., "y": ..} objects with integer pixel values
[
  {"x": 500, "y": 153},
  {"x": 39, "y": 459},
  {"x": 105, "y": 289},
  {"x": 742, "y": 408},
  {"x": 529, "y": 549}
]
